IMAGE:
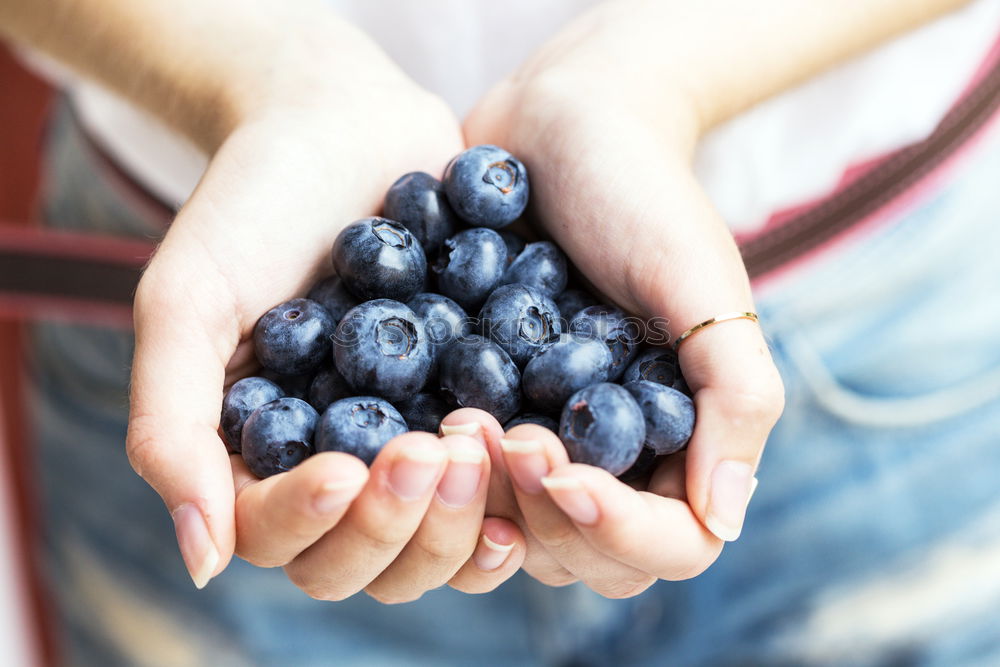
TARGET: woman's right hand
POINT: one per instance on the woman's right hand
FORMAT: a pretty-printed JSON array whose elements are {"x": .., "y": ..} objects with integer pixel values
[{"x": 302, "y": 161}]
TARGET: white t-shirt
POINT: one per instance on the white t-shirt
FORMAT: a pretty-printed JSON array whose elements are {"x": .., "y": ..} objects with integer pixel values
[{"x": 787, "y": 150}]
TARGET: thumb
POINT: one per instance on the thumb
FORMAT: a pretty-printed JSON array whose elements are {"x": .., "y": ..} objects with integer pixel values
[{"x": 182, "y": 346}]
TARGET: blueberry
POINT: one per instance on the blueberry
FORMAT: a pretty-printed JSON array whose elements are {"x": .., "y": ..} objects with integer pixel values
[
  {"x": 332, "y": 294},
  {"x": 293, "y": 386},
  {"x": 541, "y": 265},
  {"x": 643, "y": 466},
  {"x": 243, "y": 398},
  {"x": 659, "y": 365},
  {"x": 602, "y": 426},
  {"x": 564, "y": 368},
  {"x": 532, "y": 418},
  {"x": 521, "y": 320},
  {"x": 381, "y": 348},
  {"x": 379, "y": 259},
  {"x": 514, "y": 243},
  {"x": 477, "y": 373},
  {"x": 572, "y": 301},
  {"x": 668, "y": 413},
  {"x": 618, "y": 331},
  {"x": 423, "y": 412},
  {"x": 444, "y": 321},
  {"x": 278, "y": 436},
  {"x": 418, "y": 201},
  {"x": 328, "y": 386},
  {"x": 470, "y": 266},
  {"x": 294, "y": 337},
  {"x": 360, "y": 425},
  {"x": 486, "y": 186}
]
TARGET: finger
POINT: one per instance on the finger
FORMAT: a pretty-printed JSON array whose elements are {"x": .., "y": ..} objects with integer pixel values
[
  {"x": 379, "y": 523},
  {"x": 279, "y": 517},
  {"x": 449, "y": 531},
  {"x": 501, "y": 501},
  {"x": 498, "y": 555},
  {"x": 668, "y": 479},
  {"x": 657, "y": 535},
  {"x": 175, "y": 401},
  {"x": 531, "y": 452}
]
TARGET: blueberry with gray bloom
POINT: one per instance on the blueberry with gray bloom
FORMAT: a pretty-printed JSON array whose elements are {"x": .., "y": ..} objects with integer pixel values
[
  {"x": 360, "y": 425},
  {"x": 619, "y": 332},
  {"x": 418, "y": 201},
  {"x": 564, "y": 368},
  {"x": 542, "y": 266},
  {"x": 332, "y": 294},
  {"x": 470, "y": 266},
  {"x": 477, "y": 373},
  {"x": 379, "y": 259},
  {"x": 515, "y": 244},
  {"x": 241, "y": 400},
  {"x": 380, "y": 347},
  {"x": 293, "y": 337},
  {"x": 659, "y": 365},
  {"x": 532, "y": 418},
  {"x": 603, "y": 426},
  {"x": 521, "y": 320},
  {"x": 572, "y": 301},
  {"x": 444, "y": 320},
  {"x": 423, "y": 412},
  {"x": 328, "y": 386},
  {"x": 278, "y": 436},
  {"x": 486, "y": 186},
  {"x": 669, "y": 415}
]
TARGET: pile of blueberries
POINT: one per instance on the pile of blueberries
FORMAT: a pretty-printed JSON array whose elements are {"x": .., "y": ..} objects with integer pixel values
[{"x": 433, "y": 307}]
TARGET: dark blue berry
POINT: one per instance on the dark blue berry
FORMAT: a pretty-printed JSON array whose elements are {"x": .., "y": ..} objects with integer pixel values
[
  {"x": 332, "y": 294},
  {"x": 572, "y": 301},
  {"x": 477, "y": 373},
  {"x": 360, "y": 425},
  {"x": 564, "y": 368},
  {"x": 487, "y": 186},
  {"x": 602, "y": 426},
  {"x": 542, "y": 266},
  {"x": 659, "y": 365},
  {"x": 379, "y": 259},
  {"x": 423, "y": 412},
  {"x": 293, "y": 386},
  {"x": 381, "y": 348},
  {"x": 278, "y": 436},
  {"x": 533, "y": 418},
  {"x": 328, "y": 386},
  {"x": 514, "y": 243},
  {"x": 470, "y": 266},
  {"x": 418, "y": 201},
  {"x": 444, "y": 321},
  {"x": 668, "y": 413},
  {"x": 643, "y": 466},
  {"x": 293, "y": 337},
  {"x": 521, "y": 320},
  {"x": 619, "y": 332},
  {"x": 243, "y": 398}
]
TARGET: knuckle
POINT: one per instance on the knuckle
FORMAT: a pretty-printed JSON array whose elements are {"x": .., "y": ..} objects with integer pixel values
[
  {"x": 756, "y": 403},
  {"x": 393, "y": 597},
  {"x": 555, "y": 576},
  {"x": 442, "y": 552},
  {"x": 692, "y": 569},
  {"x": 318, "y": 588},
  {"x": 628, "y": 587},
  {"x": 560, "y": 539}
]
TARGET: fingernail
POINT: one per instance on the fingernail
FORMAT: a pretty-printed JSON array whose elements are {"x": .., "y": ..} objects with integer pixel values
[
  {"x": 197, "y": 548},
  {"x": 415, "y": 471},
  {"x": 489, "y": 555},
  {"x": 573, "y": 499},
  {"x": 731, "y": 486},
  {"x": 526, "y": 463},
  {"x": 461, "y": 480},
  {"x": 334, "y": 495},
  {"x": 471, "y": 429}
]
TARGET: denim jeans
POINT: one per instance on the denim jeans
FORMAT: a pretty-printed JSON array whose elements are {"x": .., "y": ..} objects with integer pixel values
[{"x": 873, "y": 539}]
